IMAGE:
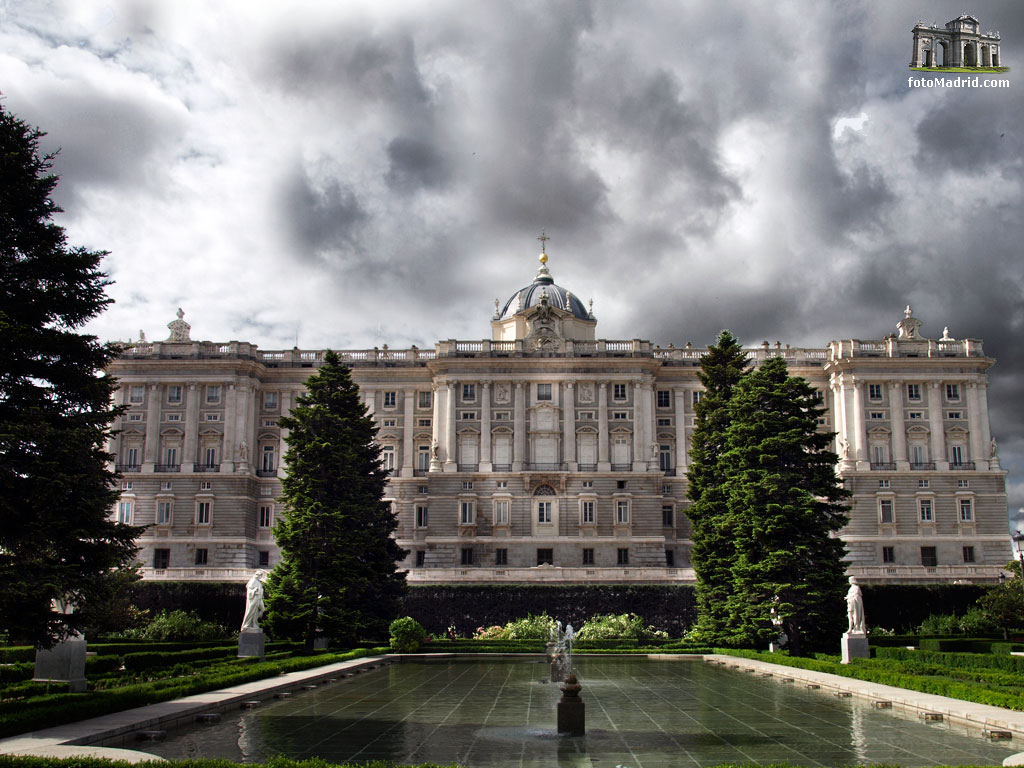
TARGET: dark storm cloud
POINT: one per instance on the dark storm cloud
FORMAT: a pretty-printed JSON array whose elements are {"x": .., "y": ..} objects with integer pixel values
[
  {"x": 952, "y": 137},
  {"x": 415, "y": 164},
  {"x": 322, "y": 218}
]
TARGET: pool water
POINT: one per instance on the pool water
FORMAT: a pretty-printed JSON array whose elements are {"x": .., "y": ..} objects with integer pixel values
[{"x": 640, "y": 714}]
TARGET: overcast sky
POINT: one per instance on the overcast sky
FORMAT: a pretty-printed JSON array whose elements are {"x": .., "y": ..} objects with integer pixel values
[{"x": 359, "y": 173}]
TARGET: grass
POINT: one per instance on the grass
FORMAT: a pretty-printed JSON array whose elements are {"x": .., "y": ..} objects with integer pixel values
[{"x": 975, "y": 70}]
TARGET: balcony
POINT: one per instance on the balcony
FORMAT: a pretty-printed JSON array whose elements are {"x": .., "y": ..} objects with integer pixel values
[
  {"x": 588, "y": 467},
  {"x": 266, "y": 473},
  {"x": 420, "y": 472},
  {"x": 167, "y": 468},
  {"x": 206, "y": 467},
  {"x": 669, "y": 472},
  {"x": 469, "y": 467},
  {"x": 922, "y": 465},
  {"x": 501, "y": 467},
  {"x": 128, "y": 467},
  {"x": 622, "y": 467},
  {"x": 963, "y": 466},
  {"x": 545, "y": 467},
  {"x": 883, "y": 466}
]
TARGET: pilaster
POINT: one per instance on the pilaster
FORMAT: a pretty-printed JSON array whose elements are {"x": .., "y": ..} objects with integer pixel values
[
  {"x": 485, "y": 427},
  {"x": 519, "y": 429},
  {"x": 899, "y": 426},
  {"x": 569, "y": 426},
  {"x": 191, "y": 443},
  {"x": 448, "y": 449},
  {"x": 603, "y": 464},
  {"x": 151, "y": 446},
  {"x": 682, "y": 447},
  {"x": 935, "y": 428}
]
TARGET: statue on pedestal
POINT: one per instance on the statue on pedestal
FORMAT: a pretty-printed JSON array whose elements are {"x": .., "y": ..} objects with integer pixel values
[
  {"x": 254, "y": 606},
  {"x": 855, "y": 609}
]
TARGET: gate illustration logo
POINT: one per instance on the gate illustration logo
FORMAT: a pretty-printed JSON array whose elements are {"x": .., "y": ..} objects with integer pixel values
[{"x": 959, "y": 46}]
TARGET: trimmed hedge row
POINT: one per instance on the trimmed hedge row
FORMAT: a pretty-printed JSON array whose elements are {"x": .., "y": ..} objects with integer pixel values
[
  {"x": 902, "y": 607},
  {"x": 1005, "y": 663}
]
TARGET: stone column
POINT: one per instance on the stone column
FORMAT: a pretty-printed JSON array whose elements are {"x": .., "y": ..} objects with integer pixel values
[
  {"x": 435, "y": 421},
  {"x": 449, "y": 449},
  {"x": 569, "y": 426},
  {"x": 899, "y": 426},
  {"x": 243, "y": 414},
  {"x": 227, "y": 463},
  {"x": 979, "y": 450},
  {"x": 370, "y": 398},
  {"x": 682, "y": 448},
  {"x": 286, "y": 409},
  {"x": 863, "y": 459},
  {"x": 151, "y": 446},
  {"x": 114, "y": 441},
  {"x": 519, "y": 429},
  {"x": 983, "y": 424},
  {"x": 190, "y": 451},
  {"x": 485, "y": 427},
  {"x": 603, "y": 464},
  {"x": 640, "y": 441},
  {"x": 408, "y": 427},
  {"x": 938, "y": 433}
]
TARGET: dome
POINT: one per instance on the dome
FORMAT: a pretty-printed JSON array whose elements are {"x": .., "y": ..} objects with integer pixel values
[{"x": 530, "y": 296}]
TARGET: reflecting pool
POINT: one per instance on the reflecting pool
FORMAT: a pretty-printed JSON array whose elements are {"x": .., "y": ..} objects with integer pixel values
[{"x": 640, "y": 714}]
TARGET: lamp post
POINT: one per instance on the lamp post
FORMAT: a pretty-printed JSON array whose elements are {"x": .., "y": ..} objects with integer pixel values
[{"x": 1018, "y": 546}]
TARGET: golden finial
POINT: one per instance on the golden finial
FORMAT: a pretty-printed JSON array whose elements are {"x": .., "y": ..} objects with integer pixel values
[{"x": 543, "y": 258}]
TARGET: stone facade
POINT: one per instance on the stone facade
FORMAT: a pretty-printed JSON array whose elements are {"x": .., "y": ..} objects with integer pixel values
[
  {"x": 545, "y": 454},
  {"x": 959, "y": 44}
]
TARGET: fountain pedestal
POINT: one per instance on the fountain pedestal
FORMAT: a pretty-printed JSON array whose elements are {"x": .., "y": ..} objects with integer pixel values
[
  {"x": 855, "y": 646},
  {"x": 251, "y": 642},
  {"x": 571, "y": 709}
]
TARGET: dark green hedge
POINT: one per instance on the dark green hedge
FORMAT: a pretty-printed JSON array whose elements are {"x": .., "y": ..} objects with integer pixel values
[
  {"x": 667, "y": 607},
  {"x": 220, "y": 602},
  {"x": 902, "y": 607}
]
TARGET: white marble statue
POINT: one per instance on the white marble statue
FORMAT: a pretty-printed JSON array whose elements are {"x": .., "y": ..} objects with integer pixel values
[
  {"x": 254, "y": 606},
  {"x": 855, "y": 609}
]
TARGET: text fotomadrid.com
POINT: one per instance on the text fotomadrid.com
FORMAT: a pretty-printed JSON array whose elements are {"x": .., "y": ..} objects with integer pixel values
[{"x": 957, "y": 82}]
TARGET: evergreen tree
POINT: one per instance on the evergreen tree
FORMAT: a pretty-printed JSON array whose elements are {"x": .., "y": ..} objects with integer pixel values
[
  {"x": 713, "y": 547},
  {"x": 785, "y": 509},
  {"x": 57, "y": 538},
  {"x": 337, "y": 577}
]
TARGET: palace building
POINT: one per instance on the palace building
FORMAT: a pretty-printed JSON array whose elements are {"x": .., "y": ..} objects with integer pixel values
[{"x": 547, "y": 454}]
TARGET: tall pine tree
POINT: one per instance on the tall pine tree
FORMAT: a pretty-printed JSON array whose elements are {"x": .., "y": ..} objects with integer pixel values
[
  {"x": 57, "y": 538},
  {"x": 338, "y": 576},
  {"x": 785, "y": 509},
  {"x": 713, "y": 547}
]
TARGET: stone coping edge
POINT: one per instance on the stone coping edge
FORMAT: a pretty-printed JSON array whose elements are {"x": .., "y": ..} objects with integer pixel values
[{"x": 965, "y": 713}]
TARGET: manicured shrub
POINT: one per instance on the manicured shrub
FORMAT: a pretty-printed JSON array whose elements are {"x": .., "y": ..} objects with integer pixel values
[
  {"x": 179, "y": 626},
  {"x": 617, "y": 627},
  {"x": 406, "y": 634},
  {"x": 540, "y": 627}
]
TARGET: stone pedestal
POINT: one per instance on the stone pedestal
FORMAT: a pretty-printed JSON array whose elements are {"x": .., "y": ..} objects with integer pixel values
[
  {"x": 251, "y": 642},
  {"x": 571, "y": 709},
  {"x": 855, "y": 646},
  {"x": 321, "y": 643},
  {"x": 64, "y": 663}
]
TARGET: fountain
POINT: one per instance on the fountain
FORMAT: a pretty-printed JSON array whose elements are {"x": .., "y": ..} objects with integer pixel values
[
  {"x": 570, "y": 709},
  {"x": 559, "y": 652}
]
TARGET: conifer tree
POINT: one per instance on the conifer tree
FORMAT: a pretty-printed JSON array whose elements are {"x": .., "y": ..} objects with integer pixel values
[
  {"x": 785, "y": 509},
  {"x": 58, "y": 540},
  {"x": 337, "y": 577},
  {"x": 713, "y": 547}
]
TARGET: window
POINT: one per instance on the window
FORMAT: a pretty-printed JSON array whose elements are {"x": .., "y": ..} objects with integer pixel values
[
  {"x": 422, "y": 488},
  {"x": 423, "y": 422},
  {"x": 963, "y": 483},
  {"x": 966, "y": 511},
  {"x": 664, "y": 398},
  {"x": 924, "y": 483},
  {"x": 210, "y": 456},
  {"x": 466, "y": 513},
  {"x": 469, "y": 393},
  {"x": 620, "y": 415},
  {"x": 670, "y": 558},
  {"x": 266, "y": 518},
  {"x": 203, "y": 512},
  {"x": 925, "y": 507},
  {"x": 929, "y": 559},
  {"x": 968, "y": 554},
  {"x": 956, "y": 454},
  {"x": 618, "y": 391},
  {"x": 884, "y": 483},
  {"x": 588, "y": 556},
  {"x": 424, "y": 399},
  {"x": 213, "y": 393},
  {"x": 664, "y": 422},
  {"x": 126, "y": 485},
  {"x": 545, "y": 557},
  {"x": 205, "y": 485},
  {"x": 134, "y": 417},
  {"x": 888, "y": 554},
  {"x": 467, "y": 485},
  {"x": 174, "y": 393},
  {"x": 136, "y": 394},
  {"x": 622, "y": 556},
  {"x": 501, "y": 556},
  {"x": 504, "y": 484},
  {"x": 876, "y": 415},
  {"x": 879, "y": 454},
  {"x": 501, "y": 512},
  {"x": 885, "y": 511},
  {"x": 387, "y": 457},
  {"x": 263, "y": 558},
  {"x": 588, "y": 483},
  {"x": 918, "y": 455},
  {"x": 270, "y": 422},
  {"x": 421, "y": 516},
  {"x": 915, "y": 415},
  {"x": 161, "y": 558},
  {"x": 390, "y": 399},
  {"x": 874, "y": 391},
  {"x": 213, "y": 417},
  {"x": 622, "y": 512},
  {"x": 620, "y": 484},
  {"x": 163, "y": 512},
  {"x": 469, "y": 415},
  {"x": 124, "y": 512},
  {"x": 667, "y": 516},
  {"x": 267, "y": 462},
  {"x": 421, "y": 557},
  {"x": 585, "y": 416},
  {"x": 543, "y": 391},
  {"x": 265, "y": 490},
  {"x": 955, "y": 415},
  {"x": 466, "y": 555},
  {"x": 666, "y": 490},
  {"x": 171, "y": 457},
  {"x": 586, "y": 513},
  {"x": 173, "y": 417},
  {"x": 202, "y": 556},
  {"x": 665, "y": 457},
  {"x": 913, "y": 391},
  {"x": 697, "y": 395},
  {"x": 502, "y": 416},
  {"x": 953, "y": 393},
  {"x": 543, "y": 511},
  {"x": 423, "y": 458},
  {"x": 269, "y": 401},
  {"x": 389, "y": 422}
]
